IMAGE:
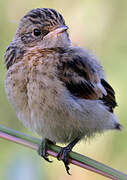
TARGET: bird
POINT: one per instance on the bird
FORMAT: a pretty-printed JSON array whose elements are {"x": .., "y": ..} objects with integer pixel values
[{"x": 57, "y": 89}]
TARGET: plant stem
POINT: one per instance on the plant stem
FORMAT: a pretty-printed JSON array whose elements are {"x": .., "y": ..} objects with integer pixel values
[{"x": 74, "y": 158}]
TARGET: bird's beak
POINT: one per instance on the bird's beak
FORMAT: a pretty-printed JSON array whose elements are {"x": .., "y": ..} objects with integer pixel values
[
  {"x": 57, "y": 31},
  {"x": 60, "y": 29}
]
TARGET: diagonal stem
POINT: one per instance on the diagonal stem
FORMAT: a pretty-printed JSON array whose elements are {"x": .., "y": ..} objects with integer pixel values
[{"x": 74, "y": 158}]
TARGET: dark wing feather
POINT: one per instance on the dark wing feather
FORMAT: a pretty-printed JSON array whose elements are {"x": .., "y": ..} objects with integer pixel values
[
  {"x": 81, "y": 80},
  {"x": 109, "y": 100},
  {"x": 79, "y": 77},
  {"x": 81, "y": 89}
]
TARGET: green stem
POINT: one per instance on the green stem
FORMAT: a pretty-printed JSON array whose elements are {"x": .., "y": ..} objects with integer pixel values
[{"x": 74, "y": 158}]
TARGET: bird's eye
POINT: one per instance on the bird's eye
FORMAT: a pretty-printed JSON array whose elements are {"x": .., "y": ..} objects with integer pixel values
[{"x": 37, "y": 32}]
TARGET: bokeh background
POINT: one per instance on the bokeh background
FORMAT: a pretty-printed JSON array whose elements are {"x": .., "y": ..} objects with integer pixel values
[{"x": 99, "y": 25}]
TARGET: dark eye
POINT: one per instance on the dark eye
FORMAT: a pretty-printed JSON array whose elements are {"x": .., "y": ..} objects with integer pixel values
[{"x": 37, "y": 32}]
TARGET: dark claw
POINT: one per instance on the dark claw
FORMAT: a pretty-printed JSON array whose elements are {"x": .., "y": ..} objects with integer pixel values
[
  {"x": 43, "y": 149},
  {"x": 63, "y": 154},
  {"x": 67, "y": 167}
]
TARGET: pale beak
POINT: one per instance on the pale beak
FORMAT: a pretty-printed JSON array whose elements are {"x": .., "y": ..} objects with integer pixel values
[
  {"x": 57, "y": 31},
  {"x": 60, "y": 29}
]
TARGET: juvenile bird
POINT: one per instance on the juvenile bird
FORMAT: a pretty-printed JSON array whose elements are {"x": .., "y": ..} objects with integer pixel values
[{"x": 57, "y": 90}]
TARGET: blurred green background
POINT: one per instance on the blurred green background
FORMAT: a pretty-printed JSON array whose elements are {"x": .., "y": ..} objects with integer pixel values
[{"x": 99, "y": 25}]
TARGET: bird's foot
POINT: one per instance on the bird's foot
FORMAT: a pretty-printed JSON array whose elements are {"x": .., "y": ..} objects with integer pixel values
[
  {"x": 42, "y": 150},
  {"x": 63, "y": 155}
]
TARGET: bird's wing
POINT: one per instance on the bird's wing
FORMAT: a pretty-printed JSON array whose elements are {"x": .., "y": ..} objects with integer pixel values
[{"x": 82, "y": 81}]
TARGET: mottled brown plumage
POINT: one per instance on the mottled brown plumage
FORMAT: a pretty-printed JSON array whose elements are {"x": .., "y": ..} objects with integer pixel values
[{"x": 57, "y": 90}]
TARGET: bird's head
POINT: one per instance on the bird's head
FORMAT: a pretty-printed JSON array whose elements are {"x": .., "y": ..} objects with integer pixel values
[{"x": 43, "y": 27}]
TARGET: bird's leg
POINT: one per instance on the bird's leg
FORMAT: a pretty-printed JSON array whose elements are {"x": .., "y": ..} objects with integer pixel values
[
  {"x": 63, "y": 153},
  {"x": 43, "y": 148}
]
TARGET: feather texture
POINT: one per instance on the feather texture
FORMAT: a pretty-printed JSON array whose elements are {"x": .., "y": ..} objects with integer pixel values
[{"x": 83, "y": 81}]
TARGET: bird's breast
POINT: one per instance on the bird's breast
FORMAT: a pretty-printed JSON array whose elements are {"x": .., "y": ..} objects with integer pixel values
[{"x": 39, "y": 99}]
